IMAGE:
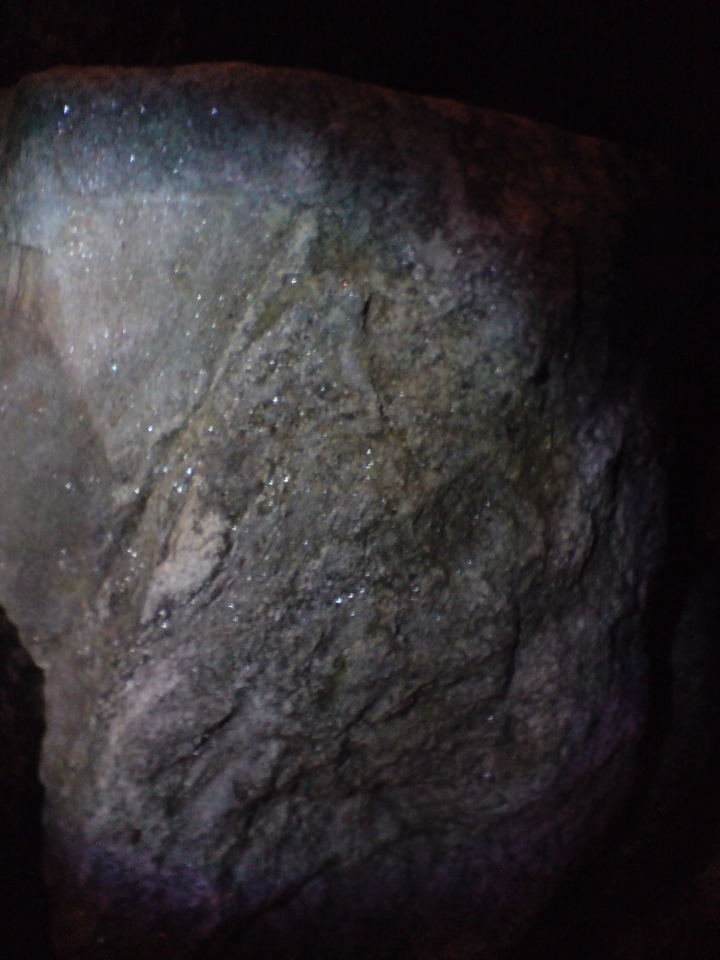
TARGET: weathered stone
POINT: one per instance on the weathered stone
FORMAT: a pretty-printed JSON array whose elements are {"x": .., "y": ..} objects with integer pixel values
[{"x": 329, "y": 506}]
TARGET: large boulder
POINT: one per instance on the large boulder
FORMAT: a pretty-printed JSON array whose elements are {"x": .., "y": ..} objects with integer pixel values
[{"x": 332, "y": 492}]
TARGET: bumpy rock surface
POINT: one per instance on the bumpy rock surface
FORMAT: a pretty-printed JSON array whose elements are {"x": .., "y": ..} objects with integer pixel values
[{"x": 329, "y": 506}]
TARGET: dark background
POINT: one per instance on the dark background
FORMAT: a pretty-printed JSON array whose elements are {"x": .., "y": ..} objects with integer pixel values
[
  {"x": 643, "y": 72},
  {"x": 638, "y": 70}
]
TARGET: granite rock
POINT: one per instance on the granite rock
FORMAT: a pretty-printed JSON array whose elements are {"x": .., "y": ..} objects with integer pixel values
[{"x": 331, "y": 501}]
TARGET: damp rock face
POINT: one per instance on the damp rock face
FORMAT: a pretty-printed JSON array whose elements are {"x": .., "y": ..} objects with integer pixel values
[{"x": 330, "y": 504}]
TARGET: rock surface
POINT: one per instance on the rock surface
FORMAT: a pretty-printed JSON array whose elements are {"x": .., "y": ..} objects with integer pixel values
[{"x": 330, "y": 503}]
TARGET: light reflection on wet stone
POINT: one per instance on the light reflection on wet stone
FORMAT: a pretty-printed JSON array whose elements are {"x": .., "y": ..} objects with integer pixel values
[{"x": 341, "y": 520}]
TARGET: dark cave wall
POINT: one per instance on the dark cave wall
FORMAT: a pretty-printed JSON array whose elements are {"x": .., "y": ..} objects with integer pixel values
[{"x": 23, "y": 904}]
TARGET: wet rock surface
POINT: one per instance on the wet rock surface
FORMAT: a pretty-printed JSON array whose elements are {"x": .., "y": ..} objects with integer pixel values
[{"x": 332, "y": 499}]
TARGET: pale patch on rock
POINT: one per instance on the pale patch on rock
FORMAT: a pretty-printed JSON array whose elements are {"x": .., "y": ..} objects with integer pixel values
[{"x": 194, "y": 549}]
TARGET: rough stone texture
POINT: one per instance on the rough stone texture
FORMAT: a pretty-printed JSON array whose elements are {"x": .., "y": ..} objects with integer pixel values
[{"x": 329, "y": 506}]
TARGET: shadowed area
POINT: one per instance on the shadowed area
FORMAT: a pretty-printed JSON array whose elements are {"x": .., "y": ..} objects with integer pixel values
[{"x": 23, "y": 899}]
